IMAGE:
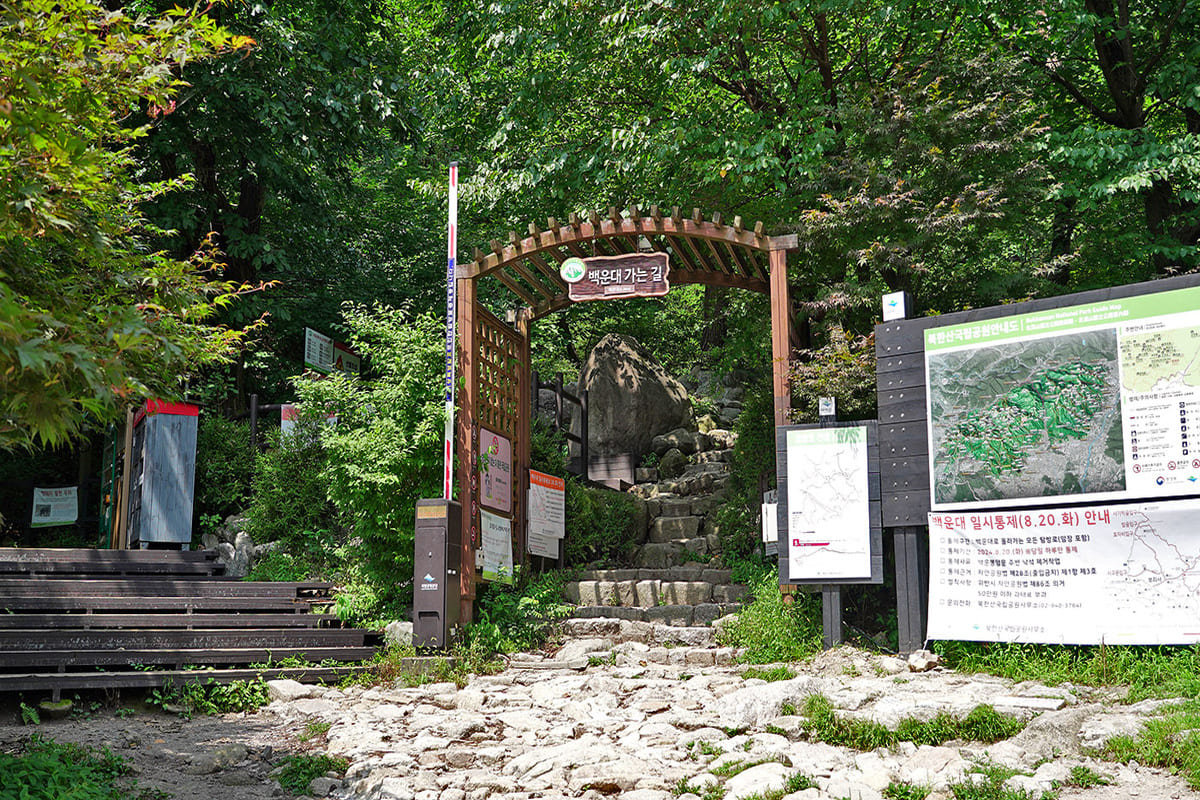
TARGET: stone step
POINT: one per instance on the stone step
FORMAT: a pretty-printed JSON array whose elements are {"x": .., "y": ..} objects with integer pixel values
[
  {"x": 652, "y": 592},
  {"x": 687, "y": 572},
  {"x": 661, "y": 555},
  {"x": 617, "y": 631},
  {"x": 675, "y": 616},
  {"x": 669, "y": 529}
]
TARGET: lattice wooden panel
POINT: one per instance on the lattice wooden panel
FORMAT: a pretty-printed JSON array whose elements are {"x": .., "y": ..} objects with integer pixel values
[{"x": 498, "y": 349}]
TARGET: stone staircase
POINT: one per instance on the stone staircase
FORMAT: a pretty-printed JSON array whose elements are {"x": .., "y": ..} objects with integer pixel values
[{"x": 685, "y": 596}]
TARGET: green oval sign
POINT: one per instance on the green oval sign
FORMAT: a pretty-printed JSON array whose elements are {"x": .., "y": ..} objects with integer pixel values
[{"x": 573, "y": 270}]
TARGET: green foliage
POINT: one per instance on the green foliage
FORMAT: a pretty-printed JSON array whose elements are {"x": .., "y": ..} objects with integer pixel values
[
  {"x": 29, "y": 715},
  {"x": 314, "y": 729},
  {"x": 90, "y": 318},
  {"x": 1170, "y": 741},
  {"x": 777, "y": 673},
  {"x": 224, "y": 466},
  {"x": 737, "y": 519},
  {"x": 1146, "y": 671},
  {"x": 384, "y": 451},
  {"x": 518, "y": 617},
  {"x": 982, "y": 724},
  {"x": 992, "y": 785},
  {"x": 290, "y": 501},
  {"x": 599, "y": 525},
  {"x": 47, "y": 770},
  {"x": 771, "y": 631},
  {"x": 843, "y": 369},
  {"x": 1085, "y": 777},
  {"x": 897, "y": 790},
  {"x": 297, "y": 772},
  {"x": 212, "y": 697}
]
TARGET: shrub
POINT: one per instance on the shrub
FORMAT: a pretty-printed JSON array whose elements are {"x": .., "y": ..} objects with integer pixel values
[
  {"x": 47, "y": 770},
  {"x": 599, "y": 525},
  {"x": 290, "y": 494},
  {"x": 753, "y": 458},
  {"x": 772, "y": 631},
  {"x": 224, "y": 466}
]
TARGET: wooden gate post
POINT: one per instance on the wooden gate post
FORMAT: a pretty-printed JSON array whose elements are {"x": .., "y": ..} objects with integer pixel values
[
  {"x": 524, "y": 328},
  {"x": 781, "y": 335},
  {"x": 467, "y": 445}
]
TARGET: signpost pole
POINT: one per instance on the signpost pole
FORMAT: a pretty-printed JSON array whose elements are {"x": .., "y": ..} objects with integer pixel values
[
  {"x": 451, "y": 318},
  {"x": 831, "y": 593}
]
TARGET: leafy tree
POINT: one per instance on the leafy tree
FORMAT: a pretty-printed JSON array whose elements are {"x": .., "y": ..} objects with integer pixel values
[
  {"x": 90, "y": 319},
  {"x": 1121, "y": 83}
]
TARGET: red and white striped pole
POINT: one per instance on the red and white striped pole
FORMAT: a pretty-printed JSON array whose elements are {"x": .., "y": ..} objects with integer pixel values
[{"x": 451, "y": 324}]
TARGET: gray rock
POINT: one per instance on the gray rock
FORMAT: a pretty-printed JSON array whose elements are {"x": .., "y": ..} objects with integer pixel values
[
  {"x": 672, "y": 464},
  {"x": 922, "y": 661},
  {"x": 757, "y": 780},
  {"x": 398, "y": 633},
  {"x": 243, "y": 556},
  {"x": 323, "y": 787},
  {"x": 286, "y": 690},
  {"x": 631, "y": 397},
  {"x": 670, "y": 529}
]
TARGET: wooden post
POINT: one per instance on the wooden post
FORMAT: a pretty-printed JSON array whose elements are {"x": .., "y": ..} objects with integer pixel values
[
  {"x": 521, "y": 478},
  {"x": 254, "y": 423},
  {"x": 467, "y": 434},
  {"x": 912, "y": 585},
  {"x": 781, "y": 335},
  {"x": 831, "y": 594}
]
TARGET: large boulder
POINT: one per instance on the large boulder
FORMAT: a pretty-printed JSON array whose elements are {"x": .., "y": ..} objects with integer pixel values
[{"x": 631, "y": 398}]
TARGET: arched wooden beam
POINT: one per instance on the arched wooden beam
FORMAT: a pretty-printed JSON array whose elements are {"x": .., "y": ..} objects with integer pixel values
[{"x": 606, "y": 228}]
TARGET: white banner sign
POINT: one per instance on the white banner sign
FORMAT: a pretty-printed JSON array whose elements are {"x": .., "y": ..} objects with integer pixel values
[
  {"x": 1127, "y": 574},
  {"x": 828, "y": 506},
  {"x": 55, "y": 507},
  {"x": 547, "y": 514},
  {"x": 497, "y": 547}
]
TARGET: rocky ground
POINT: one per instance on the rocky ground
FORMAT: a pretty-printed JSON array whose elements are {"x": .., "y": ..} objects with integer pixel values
[{"x": 602, "y": 717}]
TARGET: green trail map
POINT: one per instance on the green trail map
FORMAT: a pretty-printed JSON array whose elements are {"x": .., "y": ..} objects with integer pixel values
[{"x": 1038, "y": 417}]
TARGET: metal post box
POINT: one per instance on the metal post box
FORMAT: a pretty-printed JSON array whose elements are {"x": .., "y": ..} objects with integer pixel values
[{"x": 438, "y": 550}]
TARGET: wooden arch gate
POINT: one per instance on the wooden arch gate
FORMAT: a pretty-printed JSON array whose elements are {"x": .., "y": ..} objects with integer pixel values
[{"x": 493, "y": 354}]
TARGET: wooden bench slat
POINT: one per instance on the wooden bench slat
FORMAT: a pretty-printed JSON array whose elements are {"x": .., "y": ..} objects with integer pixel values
[{"x": 135, "y": 621}]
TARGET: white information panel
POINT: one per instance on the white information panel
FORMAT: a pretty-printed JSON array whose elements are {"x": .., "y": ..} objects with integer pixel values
[
  {"x": 496, "y": 532},
  {"x": 55, "y": 507},
  {"x": 547, "y": 514},
  {"x": 1127, "y": 574},
  {"x": 829, "y": 519}
]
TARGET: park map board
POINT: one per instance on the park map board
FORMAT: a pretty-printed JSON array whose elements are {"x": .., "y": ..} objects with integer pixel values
[
  {"x": 1086, "y": 403},
  {"x": 1061, "y": 443}
]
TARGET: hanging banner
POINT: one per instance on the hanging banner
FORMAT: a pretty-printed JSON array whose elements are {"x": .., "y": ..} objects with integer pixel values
[
  {"x": 451, "y": 325},
  {"x": 546, "y": 514},
  {"x": 496, "y": 470},
  {"x": 1125, "y": 574},
  {"x": 616, "y": 277},
  {"x": 53, "y": 507},
  {"x": 497, "y": 548}
]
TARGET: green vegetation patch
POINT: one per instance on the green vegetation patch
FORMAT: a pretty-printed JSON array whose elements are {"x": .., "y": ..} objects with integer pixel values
[
  {"x": 983, "y": 724},
  {"x": 295, "y": 773},
  {"x": 47, "y": 770},
  {"x": 1146, "y": 671},
  {"x": 777, "y": 673},
  {"x": 771, "y": 631},
  {"x": 1171, "y": 741}
]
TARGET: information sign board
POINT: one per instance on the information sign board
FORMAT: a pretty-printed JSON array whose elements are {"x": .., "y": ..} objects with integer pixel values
[
  {"x": 497, "y": 547},
  {"x": 496, "y": 471},
  {"x": 828, "y": 504},
  {"x": 53, "y": 507},
  {"x": 1085, "y": 403},
  {"x": 1112, "y": 574},
  {"x": 616, "y": 277},
  {"x": 547, "y": 514},
  {"x": 323, "y": 355}
]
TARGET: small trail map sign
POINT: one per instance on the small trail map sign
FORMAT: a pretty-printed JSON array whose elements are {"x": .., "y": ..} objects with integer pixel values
[
  {"x": 828, "y": 504},
  {"x": 1087, "y": 403},
  {"x": 616, "y": 277},
  {"x": 547, "y": 514},
  {"x": 1124, "y": 574}
]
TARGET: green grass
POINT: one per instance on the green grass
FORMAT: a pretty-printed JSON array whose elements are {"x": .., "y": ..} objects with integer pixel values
[
  {"x": 983, "y": 724},
  {"x": 1086, "y": 778},
  {"x": 772, "y": 632},
  {"x": 1146, "y": 671},
  {"x": 992, "y": 787},
  {"x": 1171, "y": 741},
  {"x": 314, "y": 729},
  {"x": 777, "y": 673},
  {"x": 898, "y": 790},
  {"x": 49, "y": 770},
  {"x": 299, "y": 771}
]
